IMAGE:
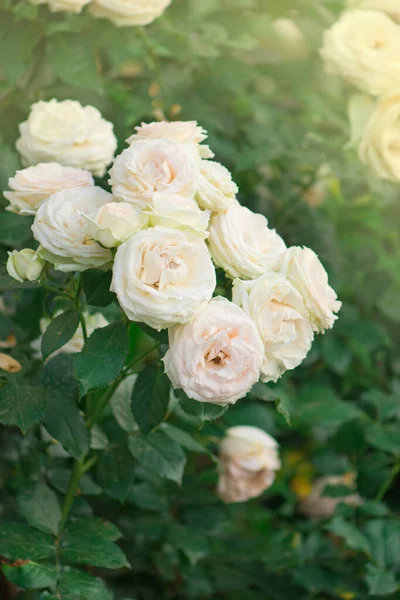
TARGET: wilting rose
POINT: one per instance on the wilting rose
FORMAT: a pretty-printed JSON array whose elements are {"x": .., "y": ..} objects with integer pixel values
[
  {"x": 217, "y": 356},
  {"x": 278, "y": 310},
  {"x": 62, "y": 229},
  {"x": 162, "y": 276},
  {"x": 302, "y": 267},
  {"x": 316, "y": 505},
  {"x": 248, "y": 463},
  {"x": 67, "y": 133},
  {"x": 32, "y": 186},
  {"x": 242, "y": 244},
  {"x": 363, "y": 46},
  {"x": 184, "y": 132}
]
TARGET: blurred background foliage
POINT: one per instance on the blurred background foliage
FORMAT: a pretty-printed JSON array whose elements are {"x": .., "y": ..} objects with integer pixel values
[{"x": 280, "y": 124}]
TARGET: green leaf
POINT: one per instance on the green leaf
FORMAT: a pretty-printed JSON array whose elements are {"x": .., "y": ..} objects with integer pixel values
[
  {"x": 115, "y": 473},
  {"x": 59, "y": 332},
  {"x": 387, "y": 405},
  {"x": 327, "y": 409},
  {"x": 14, "y": 229},
  {"x": 183, "y": 438},
  {"x": 20, "y": 542},
  {"x": 31, "y": 575},
  {"x": 91, "y": 542},
  {"x": 121, "y": 404},
  {"x": 77, "y": 585},
  {"x": 384, "y": 539},
  {"x": 380, "y": 582},
  {"x": 200, "y": 410},
  {"x": 148, "y": 497},
  {"x": 353, "y": 537},
  {"x": 74, "y": 61},
  {"x": 102, "y": 357},
  {"x": 385, "y": 437},
  {"x": 63, "y": 418},
  {"x": 282, "y": 409},
  {"x": 40, "y": 507},
  {"x": 335, "y": 353},
  {"x": 150, "y": 398},
  {"x": 22, "y": 403},
  {"x": 96, "y": 285},
  {"x": 160, "y": 454}
]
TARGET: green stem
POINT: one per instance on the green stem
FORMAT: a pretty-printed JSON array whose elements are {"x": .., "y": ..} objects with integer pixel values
[
  {"x": 104, "y": 400},
  {"x": 72, "y": 487},
  {"x": 83, "y": 325},
  {"x": 55, "y": 290},
  {"x": 142, "y": 356},
  {"x": 388, "y": 481}
]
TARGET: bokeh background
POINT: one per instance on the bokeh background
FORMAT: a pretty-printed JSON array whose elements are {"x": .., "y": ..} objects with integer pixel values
[{"x": 279, "y": 123}]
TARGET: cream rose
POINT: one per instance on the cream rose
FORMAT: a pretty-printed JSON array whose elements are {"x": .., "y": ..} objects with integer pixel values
[
  {"x": 381, "y": 137},
  {"x": 177, "y": 212},
  {"x": 184, "y": 132},
  {"x": 150, "y": 166},
  {"x": 364, "y": 47},
  {"x": 77, "y": 341},
  {"x": 390, "y": 7},
  {"x": 217, "y": 357},
  {"x": 72, "y": 6},
  {"x": 248, "y": 463},
  {"x": 162, "y": 276},
  {"x": 316, "y": 505},
  {"x": 243, "y": 245},
  {"x": 129, "y": 12},
  {"x": 217, "y": 191},
  {"x": 62, "y": 229},
  {"x": 278, "y": 311},
  {"x": 67, "y": 133},
  {"x": 115, "y": 222},
  {"x": 32, "y": 186},
  {"x": 305, "y": 272},
  {"x": 25, "y": 264}
]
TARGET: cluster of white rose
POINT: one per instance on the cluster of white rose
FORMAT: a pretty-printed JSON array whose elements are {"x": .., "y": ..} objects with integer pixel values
[
  {"x": 171, "y": 216},
  {"x": 123, "y": 13},
  {"x": 363, "y": 46}
]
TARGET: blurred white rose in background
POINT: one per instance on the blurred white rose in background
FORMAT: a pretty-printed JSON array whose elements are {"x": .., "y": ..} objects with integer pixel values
[{"x": 129, "y": 12}]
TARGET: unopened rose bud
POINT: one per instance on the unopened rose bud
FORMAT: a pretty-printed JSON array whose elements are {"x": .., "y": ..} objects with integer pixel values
[
  {"x": 116, "y": 222},
  {"x": 290, "y": 38},
  {"x": 25, "y": 265}
]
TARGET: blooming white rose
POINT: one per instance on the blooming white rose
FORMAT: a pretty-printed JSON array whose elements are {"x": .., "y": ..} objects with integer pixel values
[
  {"x": 162, "y": 276},
  {"x": 129, "y": 12},
  {"x": 242, "y": 244},
  {"x": 364, "y": 47},
  {"x": 184, "y": 132},
  {"x": 217, "y": 357},
  {"x": 305, "y": 272},
  {"x": 62, "y": 229},
  {"x": 72, "y": 6},
  {"x": 25, "y": 264},
  {"x": 316, "y": 505},
  {"x": 248, "y": 463},
  {"x": 178, "y": 212},
  {"x": 217, "y": 191},
  {"x": 150, "y": 166},
  {"x": 390, "y": 7},
  {"x": 77, "y": 341},
  {"x": 115, "y": 222},
  {"x": 67, "y": 133},
  {"x": 381, "y": 136},
  {"x": 278, "y": 310},
  {"x": 34, "y": 185}
]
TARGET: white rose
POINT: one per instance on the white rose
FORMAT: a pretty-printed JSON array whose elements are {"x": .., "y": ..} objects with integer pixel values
[
  {"x": 25, "y": 264},
  {"x": 217, "y": 191},
  {"x": 243, "y": 245},
  {"x": 390, "y": 7},
  {"x": 129, "y": 12},
  {"x": 68, "y": 133},
  {"x": 316, "y": 505},
  {"x": 162, "y": 276},
  {"x": 177, "y": 212},
  {"x": 115, "y": 222},
  {"x": 364, "y": 47},
  {"x": 278, "y": 311},
  {"x": 62, "y": 229},
  {"x": 150, "y": 166},
  {"x": 248, "y": 462},
  {"x": 217, "y": 357},
  {"x": 184, "y": 132},
  {"x": 72, "y": 6},
  {"x": 305, "y": 272},
  {"x": 77, "y": 341},
  {"x": 34, "y": 185},
  {"x": 381, "y": 136}
]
